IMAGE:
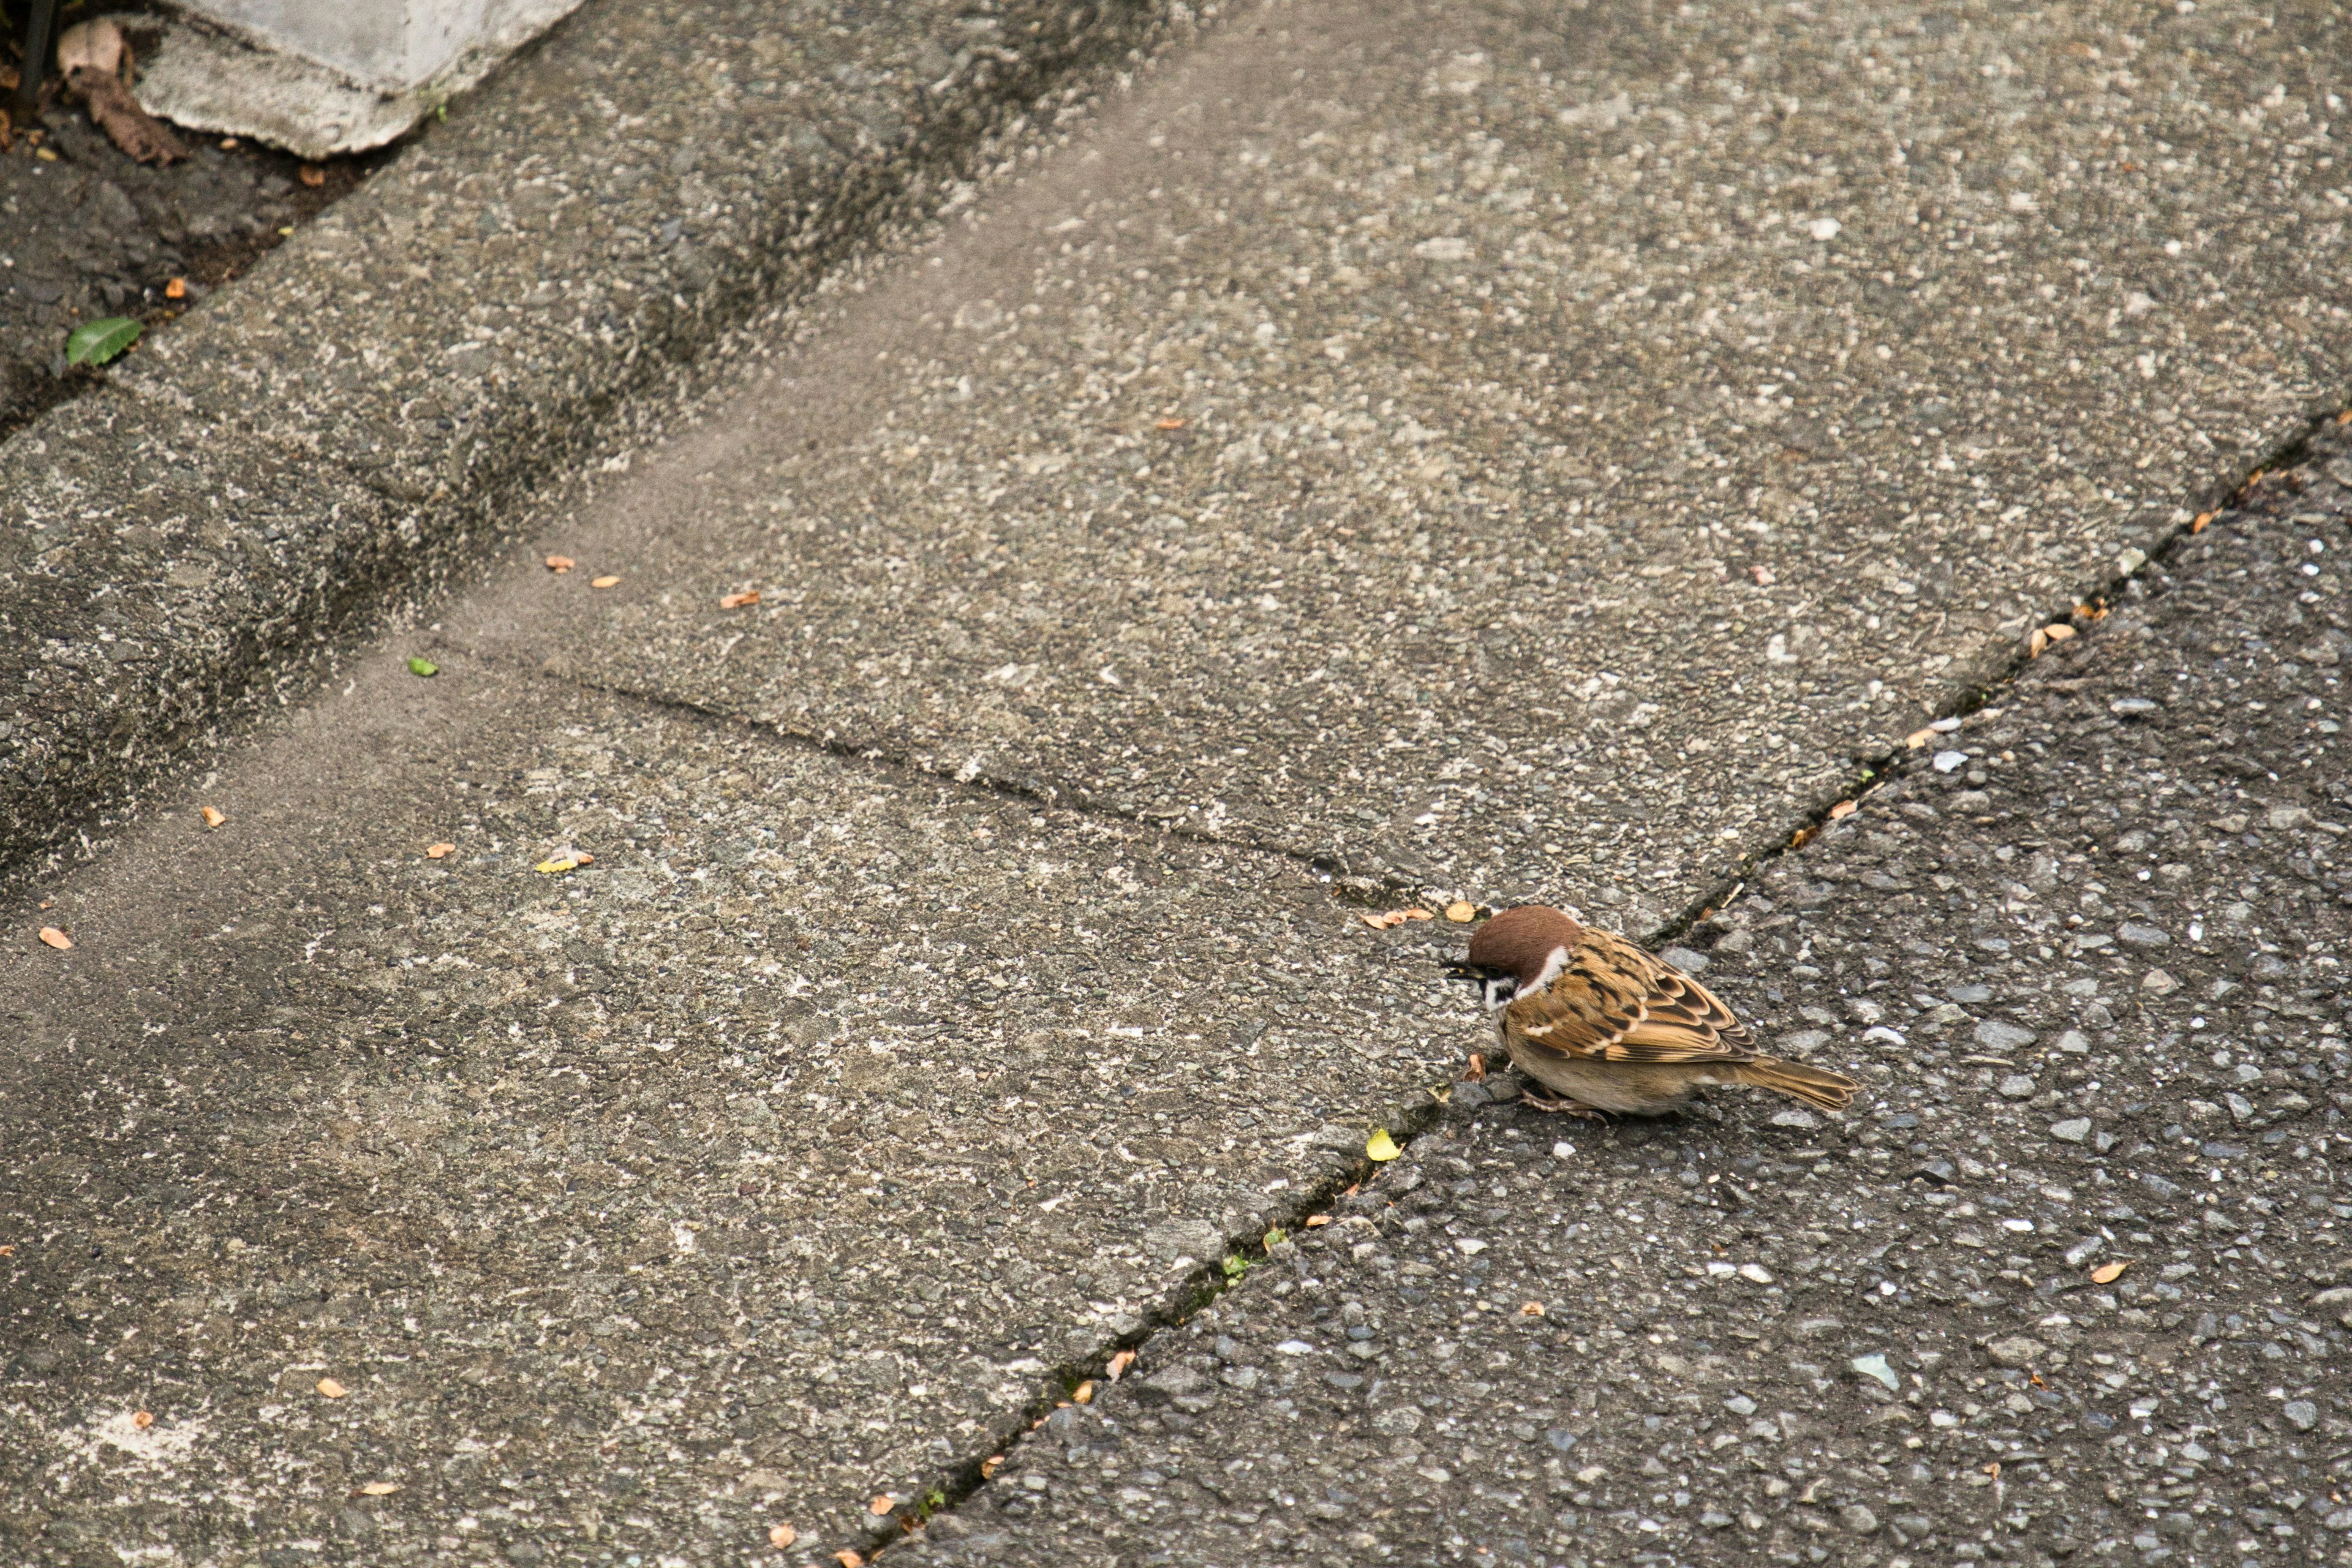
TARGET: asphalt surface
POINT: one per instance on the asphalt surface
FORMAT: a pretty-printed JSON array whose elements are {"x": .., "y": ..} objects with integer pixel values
[
  {"x": 2088, "y": 951},
  {"x": 809, "y": 1059}
]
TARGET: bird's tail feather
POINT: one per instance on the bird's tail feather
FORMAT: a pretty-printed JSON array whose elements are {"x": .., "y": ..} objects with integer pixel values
[{"x": 1814, "y": 1086}]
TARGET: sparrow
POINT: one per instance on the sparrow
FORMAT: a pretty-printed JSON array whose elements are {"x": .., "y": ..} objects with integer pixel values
[{"x": 1606, "y": 1026}]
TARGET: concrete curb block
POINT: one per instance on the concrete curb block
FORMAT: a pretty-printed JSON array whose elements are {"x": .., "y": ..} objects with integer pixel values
[{"x": 340, "y": 431}]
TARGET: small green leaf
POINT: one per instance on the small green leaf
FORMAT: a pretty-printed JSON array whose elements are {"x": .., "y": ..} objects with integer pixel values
[
  {"x": 1275, "y": 1237},
  {"x": 95, "y": 342},
  {"x": 418, "y": 665},
  {"x": 1236, "y": 1267}
]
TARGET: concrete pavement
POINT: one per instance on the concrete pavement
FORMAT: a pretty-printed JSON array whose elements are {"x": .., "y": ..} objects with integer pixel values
[{"x": 643, "y": 1203}]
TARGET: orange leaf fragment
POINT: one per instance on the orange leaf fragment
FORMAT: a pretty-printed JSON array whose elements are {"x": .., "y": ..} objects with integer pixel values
[
  {"x": 1462, "y": 911},
  {"x": 987, "y": 1466},
  {"x": 311, "y": 175},
  {"x": 439, "y": 851},
  {"x": 1416, "y": 913},
  {"x": 177, "y": 288},
  {"x": 331, "y": 1389},
  {"x": 1171, "y": 423},
  {"x": 737, "y": 601},
  {"x": 1842, "y": 810},
  {"x": 1802, "y": 837},
  {"x": 781, "y": 1535},
  {"x": 56, "y": 937},
  {"x": 1918, "y": 738},
  {"x": 8, "y": 1251},
  {"x": 848, "y": 1559},
  {"x": 2036, "y": 643},
  {"x": 212, "y": 816},
  {"x": 2058, "y": 631},
  {"x": 1378, "y": 922},
  {"x": 881, "y": 1505},
  {"x": 2108, "y": 1273},
  {"x": 1313, "y": 1220},
  {"x": 1119, "y": 1363},
  {"x": 379, "y": 1489},
  {"x": 560, "y": 564},
  {"x": 1532, "y": 1310},
  {"x": 2204, "y": 520},
  {"x": 603, "y": 581},
  {"x": 1084, "y": 1393},
  {"x": 143, "y": 1419}
]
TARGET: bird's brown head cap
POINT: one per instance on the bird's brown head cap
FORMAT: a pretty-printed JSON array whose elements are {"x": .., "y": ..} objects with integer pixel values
[{"x": 1520, "y": 942}]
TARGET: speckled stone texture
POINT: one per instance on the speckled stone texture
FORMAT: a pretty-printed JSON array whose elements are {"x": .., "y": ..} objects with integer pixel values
[
  {"x": 2089, "y": 955},
  {"x": 1507, "y": 450},
  {"x": 528, "y": 289}
]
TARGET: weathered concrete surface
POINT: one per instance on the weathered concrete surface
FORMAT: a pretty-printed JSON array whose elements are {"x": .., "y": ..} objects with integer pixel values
[
  {"x": 2098, "y": 990},
  {"x": 524, "y": 293},
  {"x": 772, "y": 1161},
  {"x": 1513, "y": 351}
]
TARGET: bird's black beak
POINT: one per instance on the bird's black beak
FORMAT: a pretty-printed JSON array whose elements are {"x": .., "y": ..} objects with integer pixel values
[{"x": 1464, "y": 971}]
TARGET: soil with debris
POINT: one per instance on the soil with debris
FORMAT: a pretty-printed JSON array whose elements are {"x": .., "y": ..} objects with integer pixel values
[
  {"x": 2069, "y": 1283},
  {"x": 87, "y": 232}
]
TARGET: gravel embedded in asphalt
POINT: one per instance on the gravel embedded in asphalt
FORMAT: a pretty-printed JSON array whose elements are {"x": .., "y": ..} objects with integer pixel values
[{"x": 2086, "y": 1296}]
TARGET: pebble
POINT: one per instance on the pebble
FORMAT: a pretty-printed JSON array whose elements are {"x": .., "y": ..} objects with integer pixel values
[
  {"x": 1874, "y": 1365},
  {"x": 2335, "y": 1303},
  {"x": 1969, "y": 994},
  {"x": 1756, "y": 1274},
  {"x": 1740, "y": 1404},
  {"x": 2074, "y": 1130},
  {"x": 1857, "y": 1518},
  {"x": 1996, "y": 1035},
  {"x": 1946, "y": 761},
  {"x": 2132, "y": 934},
  {"x": 1688, "y": 960},
  {"x": 2300, "y": 1413},
  {"x": 1796, "y": 1117},
  {"x": 2156, "y": 982},
  {"x": 2017, "y": 1086},
  {"x": 2016, "y": 1351}
]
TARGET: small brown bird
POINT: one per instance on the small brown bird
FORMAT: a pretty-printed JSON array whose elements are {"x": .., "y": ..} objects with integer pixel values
[{"x": 1609, "y": 1027}]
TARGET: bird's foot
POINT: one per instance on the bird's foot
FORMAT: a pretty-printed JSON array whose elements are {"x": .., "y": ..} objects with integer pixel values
[
  {"x": 1478, "y": 1073},
  {"x": 1559, "y": 1106}
]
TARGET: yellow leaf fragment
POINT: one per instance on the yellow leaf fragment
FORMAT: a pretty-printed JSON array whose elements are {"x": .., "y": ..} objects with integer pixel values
[
  {"x": 379, "y": 1489},
  {"x": 987, "y": 1466},
  {"x": 1532, "y": 1310},
  {"x": 570, "y": 860},
  {"x": 1842, "y": 810},
  {"x": 604, "y": 582},
  {"x": 848, "y": 1559},
  {"x": 1316, "y": 1220},
  {"x": 1918, "y": 738},
  {"x": 2058, "y": 631},
  {"x": 2038, "y": 644},
  {"x": 212, "y": 816},
  {"x": 560, "y": 564},
  {"x": 2108, "y": 1273},
  {"x": 1084, "y": 1393},
  {"x": 881, "y": 1505},
  {"x": 1462, "y": 911},
  {"x": 439, "y": 851},
  {"x": 1416, "y": 913},
  {"x": 331, "y": 1389},
  {"x": 781, "y": 1535},
  {"x": 143, "y": 1419},
  {"x": 56, "y": 937},
  {"x": 1378, "y": 922},
  {"x": 1119, "y": 1363},
  {"x": 1381, "y": 1146}
]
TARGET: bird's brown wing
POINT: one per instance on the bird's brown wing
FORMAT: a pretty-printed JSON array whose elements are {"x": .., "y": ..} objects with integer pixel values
[{"x": 1618, "y": 1004}]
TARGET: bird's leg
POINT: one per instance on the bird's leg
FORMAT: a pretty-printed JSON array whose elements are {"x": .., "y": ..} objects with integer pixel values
[
  {"x": 1478, "y": 1073},
  {"x": 1559, "y": 1106}
]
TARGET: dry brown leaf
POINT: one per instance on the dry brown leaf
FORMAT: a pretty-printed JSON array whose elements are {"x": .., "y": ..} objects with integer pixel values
[
  {"x": 1084, "y": 1393},
  {"x": 212, "y": 816},
  {"x": 560, "y": 564},
  {"x": 1119, "y": 1363},
  {"x": 737, "y": 601},
  {"x": 56, "y": 937},
  {"x": 177, "y": 288},
  {"x": 379, "y": 1489},
  {"x": 1462, "y": 911},
  {"x": 1313, "y": 1220},
  {"x": 848, "y": 1559},
  {"x": 603, "y": 581},
  {"x": 781, "y": 1535},
  {"x": 2092, "y": 611},
  {"x": 331, "y": 1389},
  {"x": 143, "y": 1419},
  {"x": 1378, "y": 922},
  {"x": 311, "y": 175},
  {"x": 439, "y": 851},
  {"x": 2108, "y": 1273},
  {"x": 2058, "y": 631},
  {"x": 9, "y": 1250},
  {"x": 1802, "y": 837},
  {"x": 1169, "y": 424},
  {"x": 1918, "y": 738},
  {"x": 1532, "y": 1310},
  {"x": 1416, "y": 913},
  {"x": 881, "y": 1505},
  {"x": 2036, "y": 645},
  {"x": 987, "y": 1466},
  {"x": 1842, "y": 810}
]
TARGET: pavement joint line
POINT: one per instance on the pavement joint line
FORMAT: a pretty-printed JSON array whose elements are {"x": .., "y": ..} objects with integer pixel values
[
  {"x": 1873, "y": 770},
  {"x": 1182, "y": 1301}
]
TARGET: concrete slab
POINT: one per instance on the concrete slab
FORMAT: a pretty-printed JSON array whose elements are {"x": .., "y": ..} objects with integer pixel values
[
  {"x": 1504, "y": 452},
  {"x": 780, "y": 1157},
  {"x": 154, "y": 585},
  {"x": 2073, "y": 1281}
]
